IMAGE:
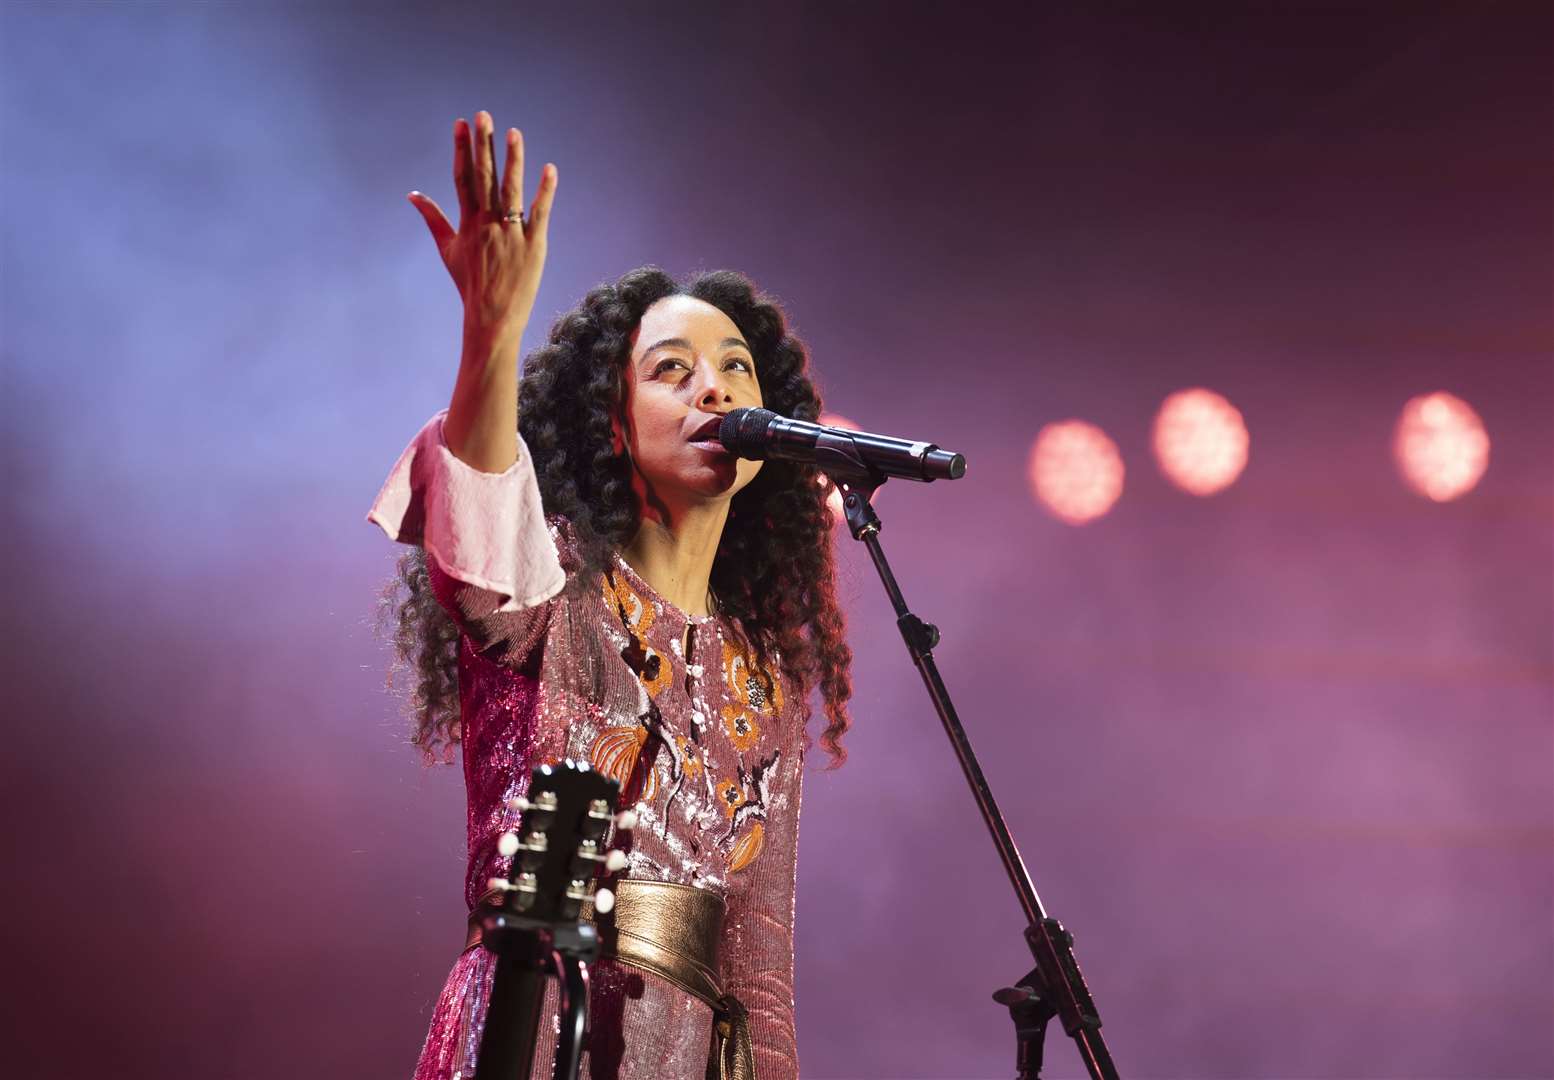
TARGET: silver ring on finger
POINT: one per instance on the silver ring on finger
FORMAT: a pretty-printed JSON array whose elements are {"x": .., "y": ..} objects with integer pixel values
[{"x": 513, "y": 216}]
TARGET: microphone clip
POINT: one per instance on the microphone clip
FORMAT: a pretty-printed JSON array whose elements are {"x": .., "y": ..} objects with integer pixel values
[{"x": 837, "y": 456}]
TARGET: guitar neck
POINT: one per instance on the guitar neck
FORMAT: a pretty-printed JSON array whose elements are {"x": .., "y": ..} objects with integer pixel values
[
  {"x": 512, "y": 1018},
  {"x": 535, "y": 929}
]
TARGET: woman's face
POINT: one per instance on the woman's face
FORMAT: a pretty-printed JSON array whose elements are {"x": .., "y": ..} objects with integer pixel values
[{"x": 689, "y": 366}]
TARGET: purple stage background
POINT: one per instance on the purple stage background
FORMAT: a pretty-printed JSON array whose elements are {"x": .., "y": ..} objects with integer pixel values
[{"x": 1281, "y": 758}]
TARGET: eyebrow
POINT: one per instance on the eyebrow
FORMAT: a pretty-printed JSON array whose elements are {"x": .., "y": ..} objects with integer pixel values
[{"x": 681, "y": 343}]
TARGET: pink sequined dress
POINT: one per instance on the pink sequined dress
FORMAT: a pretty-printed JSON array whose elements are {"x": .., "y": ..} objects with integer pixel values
[{"x": 553, "y": 667}]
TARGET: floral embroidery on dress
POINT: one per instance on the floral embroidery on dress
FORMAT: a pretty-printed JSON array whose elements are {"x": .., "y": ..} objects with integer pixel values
[
  {"x": 749, "y": 685},
  {"x": 745, "y": 801},
  {"x": 653, "y": 759},
  {"x": 753, "y": 786},
  {"x": 731, "y": 795},
  {"x": 742, "y": 729},
  {"x": 754, "y": 694},
  {"x": 636, "y": 612},
  {"x": 615, "y": 754},
  {"x": 748, "y": 848},
  {"x": 636, "y": 615},
  {"x": 690, "y": 756}
]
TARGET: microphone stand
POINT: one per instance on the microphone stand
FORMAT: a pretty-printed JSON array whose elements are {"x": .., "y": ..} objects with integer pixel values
[{"x": 1054, "y": 987}]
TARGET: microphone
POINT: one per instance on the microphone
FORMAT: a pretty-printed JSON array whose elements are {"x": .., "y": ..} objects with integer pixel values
[{"x": 845, "y": 456}]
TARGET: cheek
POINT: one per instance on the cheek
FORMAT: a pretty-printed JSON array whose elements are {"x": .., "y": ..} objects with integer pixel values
[{"x": 650, "y": 419}]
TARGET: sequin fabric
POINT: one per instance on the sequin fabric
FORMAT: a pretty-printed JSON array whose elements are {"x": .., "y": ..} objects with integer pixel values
[{"x": 707, "y": 746}]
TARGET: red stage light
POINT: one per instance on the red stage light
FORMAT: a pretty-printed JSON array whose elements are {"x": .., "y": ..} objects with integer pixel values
[
  {"x": 1075, "y": 471},
  {"x": 1200, "y": 441},
  {"x": 1441, "y": 446},
  {"x": 833, "y": 496}
]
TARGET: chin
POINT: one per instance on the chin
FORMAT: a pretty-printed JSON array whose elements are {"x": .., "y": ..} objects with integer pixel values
[
  {"x": 723, "y": 477},
  {"x": 722, "y": 485},
  {"x": 719, "y": 479}
]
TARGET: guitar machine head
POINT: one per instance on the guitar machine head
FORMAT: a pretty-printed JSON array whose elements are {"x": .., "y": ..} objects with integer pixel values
[{"x": 560, "y": 845}]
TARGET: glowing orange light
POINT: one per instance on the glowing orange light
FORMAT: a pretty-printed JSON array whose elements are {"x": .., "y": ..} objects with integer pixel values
[
  {"x": 833, "y": 496},
  {"x": 1075, "y": 471},
  {"x": 1200, "y": 441},
  {"x": 1441, "y": 446}
]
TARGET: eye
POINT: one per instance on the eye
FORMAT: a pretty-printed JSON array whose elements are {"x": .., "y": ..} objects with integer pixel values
[
  {"x": 664, "y": 365},
  {"x": 740, "y": 362}
]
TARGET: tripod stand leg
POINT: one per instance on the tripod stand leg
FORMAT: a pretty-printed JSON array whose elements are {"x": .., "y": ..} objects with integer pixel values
[{"x": 573, "y": 1012}]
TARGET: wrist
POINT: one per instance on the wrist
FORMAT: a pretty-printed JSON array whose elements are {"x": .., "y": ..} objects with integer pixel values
[
  {"x": 490, "y": 348},
  {"x": 492, "y": 333}
]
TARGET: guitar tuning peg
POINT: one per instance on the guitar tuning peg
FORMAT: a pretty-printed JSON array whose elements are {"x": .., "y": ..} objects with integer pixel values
[
  {"x": 525, "y": 885},
  {"x": 626, "y": 820},
  {"x": 604, "y": 901},
  {"x": 615, "y": 861},
  {"x": 545, "y": 801},
  {"x": 507, "y": 844}
]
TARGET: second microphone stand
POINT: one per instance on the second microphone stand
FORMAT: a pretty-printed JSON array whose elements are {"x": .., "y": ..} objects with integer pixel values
[{"x": 1054, "y": 987}]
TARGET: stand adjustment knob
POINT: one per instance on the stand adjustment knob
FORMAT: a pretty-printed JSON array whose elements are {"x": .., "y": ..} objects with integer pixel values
[{"x": 919, "y": 635}]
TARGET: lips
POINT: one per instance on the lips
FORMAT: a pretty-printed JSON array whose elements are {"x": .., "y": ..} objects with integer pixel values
[{"x": 708, "y": 432}]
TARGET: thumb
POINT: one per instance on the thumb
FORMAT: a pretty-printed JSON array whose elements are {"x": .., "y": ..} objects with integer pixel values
[{"x": 432, "y": 214}]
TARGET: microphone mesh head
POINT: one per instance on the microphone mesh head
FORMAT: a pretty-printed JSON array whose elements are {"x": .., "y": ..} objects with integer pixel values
[{"x": 742, "y": 430}]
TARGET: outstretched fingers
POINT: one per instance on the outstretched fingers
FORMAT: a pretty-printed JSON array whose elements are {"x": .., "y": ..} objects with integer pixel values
[
  {"x": 512, "y": 180},
  {"x": 463, "y": 171},
  {"x": 539, "y": 213},
  {"x": 485, "y": 168}
]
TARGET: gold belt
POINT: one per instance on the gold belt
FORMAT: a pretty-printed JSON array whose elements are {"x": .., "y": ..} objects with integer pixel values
[{"x": 673, "y": 932}]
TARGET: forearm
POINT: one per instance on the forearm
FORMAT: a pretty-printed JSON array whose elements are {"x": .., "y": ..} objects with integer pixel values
[{"x": 482, "y": 425}]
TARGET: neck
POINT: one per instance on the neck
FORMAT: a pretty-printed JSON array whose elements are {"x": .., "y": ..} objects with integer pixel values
[{"x": 674, "y": 553}]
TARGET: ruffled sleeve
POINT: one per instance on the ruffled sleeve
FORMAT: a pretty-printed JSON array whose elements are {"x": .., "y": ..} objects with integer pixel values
[
  {"x": 492, "y": 556},
  {"x": 484, "y": 529}
]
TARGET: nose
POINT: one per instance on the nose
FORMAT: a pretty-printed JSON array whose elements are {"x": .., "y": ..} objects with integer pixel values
[{"x": 711, "y": 389}]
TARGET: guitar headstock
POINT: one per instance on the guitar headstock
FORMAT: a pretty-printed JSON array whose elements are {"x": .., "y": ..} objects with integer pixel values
[{"x": 560, "y": 844}]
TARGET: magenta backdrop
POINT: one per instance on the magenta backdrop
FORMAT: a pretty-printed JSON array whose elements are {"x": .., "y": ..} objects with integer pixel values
[{"x": 1281, "y": 758}]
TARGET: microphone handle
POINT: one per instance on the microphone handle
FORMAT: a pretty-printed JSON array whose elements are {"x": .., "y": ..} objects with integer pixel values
[{"x": 800, "y": 440}]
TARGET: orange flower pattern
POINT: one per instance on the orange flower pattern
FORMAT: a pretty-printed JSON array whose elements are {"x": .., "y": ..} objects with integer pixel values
[
  {"x": 637, "y": 615},
  {"x": 748, "y": 684},
  {"x": 636, "y": 611},
  {"x": 690, "y": 757},
  {"x": 616, "y": 752},
  {"x": 748, "y": 848},
  {"x": 742, "y": 729},
  {"x": 731, "y": 796}
]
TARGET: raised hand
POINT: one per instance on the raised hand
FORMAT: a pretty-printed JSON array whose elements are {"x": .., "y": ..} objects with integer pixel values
[{"x": 496, "y": 256}]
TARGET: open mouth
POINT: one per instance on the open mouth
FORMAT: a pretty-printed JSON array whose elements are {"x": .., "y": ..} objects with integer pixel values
[{"x": 708, "y": 432}]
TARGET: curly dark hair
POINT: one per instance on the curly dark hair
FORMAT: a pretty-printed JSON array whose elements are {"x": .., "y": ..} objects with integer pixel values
[{"x": 773, "y": 575}]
